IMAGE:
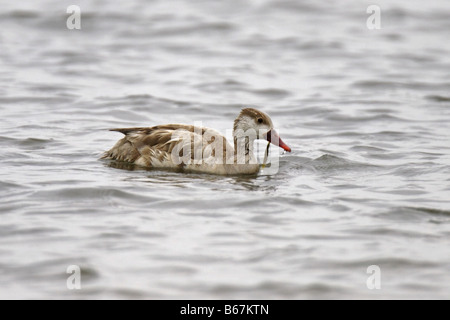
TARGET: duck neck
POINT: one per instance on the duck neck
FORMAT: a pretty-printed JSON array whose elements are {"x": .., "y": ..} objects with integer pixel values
[{"x": 243, "y": 150}]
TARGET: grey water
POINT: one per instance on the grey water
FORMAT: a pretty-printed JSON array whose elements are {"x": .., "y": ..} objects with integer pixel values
[{"x": 366, "y": 113}]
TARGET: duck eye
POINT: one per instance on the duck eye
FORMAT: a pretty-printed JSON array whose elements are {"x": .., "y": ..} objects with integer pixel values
[{"x": 260, "y": 120}]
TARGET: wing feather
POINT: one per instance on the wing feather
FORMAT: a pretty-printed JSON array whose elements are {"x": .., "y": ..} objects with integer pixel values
[{"x": 156, "y": 146}]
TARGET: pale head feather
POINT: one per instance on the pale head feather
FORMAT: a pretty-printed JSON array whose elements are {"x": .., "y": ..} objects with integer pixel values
[{"x": 251, "y": 119}]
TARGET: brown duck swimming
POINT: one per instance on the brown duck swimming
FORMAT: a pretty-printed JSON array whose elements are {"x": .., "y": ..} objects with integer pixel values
[{"x": 198, "y": 149}]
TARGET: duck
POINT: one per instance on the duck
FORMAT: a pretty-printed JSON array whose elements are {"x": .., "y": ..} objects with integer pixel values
[{"x": 198, "y": 149}]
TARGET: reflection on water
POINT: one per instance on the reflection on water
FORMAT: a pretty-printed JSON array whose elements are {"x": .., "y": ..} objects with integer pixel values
[{"x": 366, "y": 113}]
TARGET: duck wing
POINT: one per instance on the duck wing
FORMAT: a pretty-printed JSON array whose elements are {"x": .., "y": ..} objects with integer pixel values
[{"x": 155, "y": 146}]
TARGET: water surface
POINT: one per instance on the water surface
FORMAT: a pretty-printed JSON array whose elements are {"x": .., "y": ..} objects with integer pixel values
[{"x": 366, "y": 112}]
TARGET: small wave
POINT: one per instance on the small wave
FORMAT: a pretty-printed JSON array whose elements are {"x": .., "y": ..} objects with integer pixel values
[
  {"x": 418, "y": 58},
  {"x": 291, "y": 6},
  {"x": 35, "y": 100},
  {"x": 283, "y": 290},
  {"x": 394, "y": 37},
  {"x": 438, "y": 98},
  {"x": 389, "y": 262},
  {"x": 367, "y": 149},
  {"x": 296, "y": 110},
  {"x": 430, "y": 211},
  {"x": 377, "y": 117},
  {"x": 418, "y": 169},
  {"x": 371, "y": 102},
  {"x": 23, "y": 14},
  {"x": 329, "y": 162},
  {"x": 10, "y": 185},
  {"x": 96, "y": 193},
  {"x": 273, "y": 92},
  {"x": 28, "y": 143},
  {"x": 389, "y": 85},
  {"x": 198, "y": 28},
  {"x": 14, "y": 232},
  {"x": 144, "y": 100},
  {"x": 413, "y": 215}
]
